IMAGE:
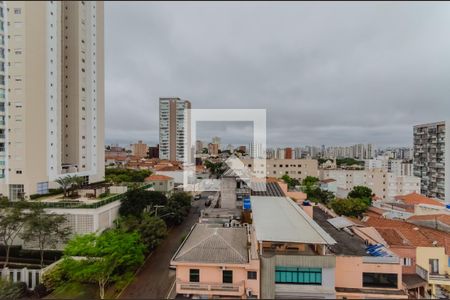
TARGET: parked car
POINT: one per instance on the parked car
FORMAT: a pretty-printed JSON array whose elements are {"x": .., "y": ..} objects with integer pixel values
[{"x": 198, "y": 197}]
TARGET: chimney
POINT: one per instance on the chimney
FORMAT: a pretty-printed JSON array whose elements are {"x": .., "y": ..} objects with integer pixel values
[{"x": 307, "y": 207}]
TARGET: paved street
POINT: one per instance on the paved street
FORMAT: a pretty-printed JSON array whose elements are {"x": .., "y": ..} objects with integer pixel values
[{"x": 155, "y": 279}]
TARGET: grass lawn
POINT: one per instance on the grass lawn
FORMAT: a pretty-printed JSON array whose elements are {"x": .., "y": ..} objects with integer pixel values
[{"x": 74, "y": 290}]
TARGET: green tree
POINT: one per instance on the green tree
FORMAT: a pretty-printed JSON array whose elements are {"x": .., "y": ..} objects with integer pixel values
[
  {"x": 136, "y": 201},
  {"x": 177, "y": 208},
  {"x": 309, "y": 184},
  {"x": 216, "y": 169},
  {"x": 318, "y": 195},
  {"x": 153, "y": 230},
  {"x": 107, "y": 258},
  {"x": 10, "y": 290},
  {"x": 361, "y": 192},
  {"x": 291, "y": 182},
  {"x": 117, "y": 175},
  {"x": 65, "y": 183},
  {"x": 351, "y": 207},
  {"x": 12, "y": 220},
  {"x": 47, "y": 230}
]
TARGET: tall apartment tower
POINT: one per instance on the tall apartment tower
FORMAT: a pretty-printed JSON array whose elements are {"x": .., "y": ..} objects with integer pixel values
[
  {"x": 432, "y": 158},
  {"x": 52, "y": 94},
  {"x": 174, "y": 129}
]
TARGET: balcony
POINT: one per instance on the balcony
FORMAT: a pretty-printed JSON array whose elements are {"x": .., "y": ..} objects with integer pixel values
[
  {"x": 431, "y": 278},
  {"x": 224, "y": 289}
]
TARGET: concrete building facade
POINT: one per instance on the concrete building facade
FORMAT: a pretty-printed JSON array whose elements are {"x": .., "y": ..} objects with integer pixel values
[
  {"x": 53, "y": 80},
  {"x": 295, "y": 168},
  {"x": 385, "y": 185},
  {"x": 139, "y": 149},
  {"x": 174, "y": 133},
  {"x": 432, "y": 158}
]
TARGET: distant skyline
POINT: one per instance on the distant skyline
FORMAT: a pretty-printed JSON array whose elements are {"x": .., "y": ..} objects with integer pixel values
[{"x": 327, "y": 73}]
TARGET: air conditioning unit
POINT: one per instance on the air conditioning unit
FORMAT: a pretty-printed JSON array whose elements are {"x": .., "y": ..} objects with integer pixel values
[{"x": 248, "y": 292}]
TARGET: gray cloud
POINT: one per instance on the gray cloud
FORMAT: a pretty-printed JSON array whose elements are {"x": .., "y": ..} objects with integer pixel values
[{"x": 327, "y": 73}]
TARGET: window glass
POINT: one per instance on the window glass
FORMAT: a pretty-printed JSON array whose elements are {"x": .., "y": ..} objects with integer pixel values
[
  {"x": 194, "y": 275},
  {"x": 380, "y": 280},
  {"x": 227, "y": 276},
  {"x": 294, "y": 275}
]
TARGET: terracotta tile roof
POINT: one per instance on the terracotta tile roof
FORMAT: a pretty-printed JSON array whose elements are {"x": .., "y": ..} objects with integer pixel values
[
  {"x": 438, "y": 217},
  {"x": 415, "y": 198},
  {"x": 403, "y": 233},
  {"x": 328, "y": 180},
  {"x": 157, "y": 177},
  {"x": 166, "y": 168},
  {"x": 376, "y": 210}
]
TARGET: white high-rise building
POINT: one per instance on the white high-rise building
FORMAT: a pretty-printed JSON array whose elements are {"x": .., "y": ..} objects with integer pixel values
[
  {"x": 257, "y": 151},
  {"x": 52, "y": 78},
  {"x": 174, "y": 129}
]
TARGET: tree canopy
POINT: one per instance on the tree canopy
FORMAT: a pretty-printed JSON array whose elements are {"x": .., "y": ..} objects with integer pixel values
[
  {"x": 47, "y": 230},
  {"x": 362, "y": 192},
  {"x": 12, "y": 219},
  {"x": 152, "y": 230},
  {"x": 106, "y": 258},
  {"x": 136, "y": 201},
  {"x": 351, "y": 207},
  {"x": 116, "y": 175},
  {"x": 291, "y": 182}
]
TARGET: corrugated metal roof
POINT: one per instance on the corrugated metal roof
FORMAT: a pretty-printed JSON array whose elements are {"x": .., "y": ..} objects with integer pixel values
[
  {"x": 279, "y": 219},
  {"x": 340, "y": 222}
]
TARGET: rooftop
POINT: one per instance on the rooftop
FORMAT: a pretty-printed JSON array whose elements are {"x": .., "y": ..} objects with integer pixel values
[
  {"x": 279, "y": 219},
  {"x": 328, "y": 180},
  {"x": 415, "y": 198},
  {"x": 345, "y": 243},
  {"x": 443, "y": 218},
  {"x": 400, "y": 233},
  {"x": 215, "y": 245},
  {"x": 271, "y": 189},
  {"x": 157, "y": 177}
]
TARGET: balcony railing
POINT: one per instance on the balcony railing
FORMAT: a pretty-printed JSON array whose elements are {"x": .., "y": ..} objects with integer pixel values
[
  {"x": 380, "y": 260},
  {"x": 422, "y": 272},
  {"x": 216, "y": 288}
]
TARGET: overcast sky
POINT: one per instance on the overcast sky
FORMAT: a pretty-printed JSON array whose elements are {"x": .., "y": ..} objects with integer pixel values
[{"x": 327, "y": 73}]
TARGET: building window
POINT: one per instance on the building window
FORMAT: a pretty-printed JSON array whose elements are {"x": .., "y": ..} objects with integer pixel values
[
  {"x": 294, "y": 275},
  {"x": 42, "y": 188},
  {"x": 252, "y": 275},
  {"x": 407, "y": 261},
  {"x": 194, "y": 275},
  {"x": 16, "y": 191},
  {"x": 434, "y": 266},
  {"x": 227, "y": 276},
  {"x": 380, "y": 280}
]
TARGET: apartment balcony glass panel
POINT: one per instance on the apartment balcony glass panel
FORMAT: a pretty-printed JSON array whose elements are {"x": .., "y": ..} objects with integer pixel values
[{"x": 293, "y": 275}]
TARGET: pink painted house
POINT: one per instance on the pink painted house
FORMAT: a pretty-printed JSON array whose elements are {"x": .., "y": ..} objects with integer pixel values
[{"x": 216, "y": 261}]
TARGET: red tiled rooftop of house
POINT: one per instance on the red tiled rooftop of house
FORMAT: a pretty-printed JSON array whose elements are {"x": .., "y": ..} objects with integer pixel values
[
  {"x": 157, "y": 177},
  {"x": 415, "y": 198},
  {"x": 410, "y": 234},
  {"x": 328, "y": 180},
  {"x": 438, "y": 217}
]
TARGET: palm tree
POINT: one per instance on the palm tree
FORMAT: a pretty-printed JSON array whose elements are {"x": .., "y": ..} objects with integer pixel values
[
  {"x": 77, "y": 182},
  {"x": 65, "y": 183}
]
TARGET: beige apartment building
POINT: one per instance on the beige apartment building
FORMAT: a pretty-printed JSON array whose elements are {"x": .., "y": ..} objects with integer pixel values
[
  {"x": 295, "y": 168},
  {"x": 174, "y": 132},
  {"x": 53, "y": 82},
  {"x": 139, "y": 149},
  {"x": 385, "y": 185}
]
